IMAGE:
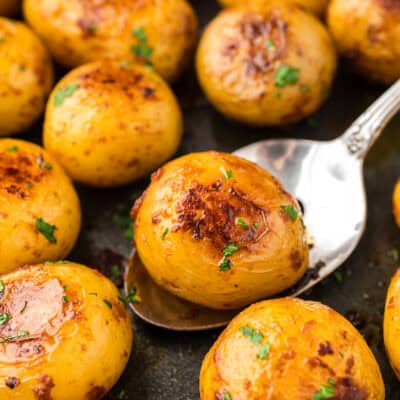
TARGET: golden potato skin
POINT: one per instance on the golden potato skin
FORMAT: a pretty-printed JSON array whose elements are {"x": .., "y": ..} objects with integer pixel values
[
  {"x": 243, "y": 52},
  {"x": 391, "y": 324},
  {"x": 79, "y": 334},
  {"x": 9, "y": 8},
  {"x": 78, "y": 32},
  {"x": 188, "y": 216},
  {"x": 317, "y": 7},
  {"x": 396, "y": 202},
  {"x": 372, "y": 45},
  {"x": 33, "y": 186},
  {"x": 310, "y": 346},
  {"x": 119, "y": 124},
  {"x": 26, "y": 77}
]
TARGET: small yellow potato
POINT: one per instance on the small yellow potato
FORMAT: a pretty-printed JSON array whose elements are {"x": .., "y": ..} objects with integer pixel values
[
  {"x": 9, "y": 8},
  {"x": 267, "y": 63},
  {"x": 109, "y": 124},
  {"x": 161, "y": 33},
  {"x": 391, "y": 324},
  {"x": 372, "y": 45},
  {"x": 219, "y": 231},
  {"x": 290, "y": 349},
  {"x": 317, "y": 7},
  {"x": 65, "y": 334},
  {"x": 26, "y": 77},
  {"x": 40, "y": 214},
  {"x": 396, "y": 202}
]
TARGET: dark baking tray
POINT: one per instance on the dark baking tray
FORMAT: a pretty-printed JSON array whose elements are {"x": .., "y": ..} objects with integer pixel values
[{"x": 165, "y": 365}]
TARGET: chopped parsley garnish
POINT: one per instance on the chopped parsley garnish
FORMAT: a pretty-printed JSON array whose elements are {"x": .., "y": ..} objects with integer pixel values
[
  {"x": 253, "y": 335},
  {"x": 107, "y": 303},
  {"x": 24, "y": 307},
  {"x": 226, "y": 174},
  {"x": 394, "y": 255},
  {"x": 165, "y": 233},
  {"x": 140, "y": 34},
  {"x": 92, "y": 27},
  {"x": 263, "y": 353},
  {"x": 124, "y": 63},
  {"x": 65, "y": 299},
  {"x": 270, "y": 45},
  {"x": 291, "y": 211},
  {"x": 4, "y": 317},
  {"x": 326, "y": 392},
  {"x": 29, "y": 185},
  {"x": 142, "y": 50},
  {"x": 46, "y": 229},
  {"x": 13, "y": 337},
  {"x": 13, "y": 148},
  {"x": 286, "y": 75},
  {"x": 62, "y": 93},
  {"x": 42, "y": 163},
  {"x": 304, "y": 88},
  {"x": 225, "y": 265},
  {"x": 122, "y": 395},
  {"x": 2, "y": 287},
  {"x": 256, "y": 224},
  {"x": 241, "y": 223},
  {"x": 227, "y": 395},
  {"x": 22, "y": 67},
  {"x": 115, "y": 271},
  {"x": 230, "y": 249},
  {"x": 131, "y": 298}
]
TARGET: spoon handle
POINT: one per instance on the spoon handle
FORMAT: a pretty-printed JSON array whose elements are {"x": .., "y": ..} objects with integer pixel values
[{"x": 366, "y": 129}]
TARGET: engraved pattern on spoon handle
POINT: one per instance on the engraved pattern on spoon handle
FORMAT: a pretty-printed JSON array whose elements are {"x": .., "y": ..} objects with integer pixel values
[{"x": 363, "y": 133}]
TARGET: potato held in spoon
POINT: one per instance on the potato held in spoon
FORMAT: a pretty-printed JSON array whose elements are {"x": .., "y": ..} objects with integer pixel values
[{"x": 219, "y": 231}]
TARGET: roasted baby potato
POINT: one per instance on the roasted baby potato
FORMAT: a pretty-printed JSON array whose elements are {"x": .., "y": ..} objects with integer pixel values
[
  {"x": 65, "y": 334},
  {"x": 219, "y": 231},
  {"x": 40, "y": 214},
  {"x": 109, "y": 124},
  {"x": 268, "y": 63},
  {"x": 391, "y": 325},
  {"x": 161, "y": 33},
  {"x": 396, "y": 202},
  {"x": 290, "y": 349},
  {"x": 317, "y": 7},
  {"x": 26, "y": 77},
  {"x": 372, "y": 45},
  {"x": 9, "y": 8}
]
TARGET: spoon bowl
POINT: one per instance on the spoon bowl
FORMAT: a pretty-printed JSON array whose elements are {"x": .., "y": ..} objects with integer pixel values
[{"x": 327, "y": 180}]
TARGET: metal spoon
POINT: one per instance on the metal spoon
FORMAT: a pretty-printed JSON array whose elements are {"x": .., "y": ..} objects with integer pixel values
[{"x": 326, "y": 178}]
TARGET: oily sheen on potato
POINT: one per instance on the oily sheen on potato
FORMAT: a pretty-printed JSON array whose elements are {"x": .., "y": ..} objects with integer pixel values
[
  {"x": 109, "y": 123},
  {"x": 161, "y": 33},
  {"x": 266, "y": 63},
  {"x": 26, "y": 77},
  {"x": 290, "y": 349},
  {"x": 40, "y": 214},
  {"x": 64, "y": 334},
  {"x": 219, "y": 231},
  {"x": 317, "y": 7},
  {"x": 372, "y": 45}
]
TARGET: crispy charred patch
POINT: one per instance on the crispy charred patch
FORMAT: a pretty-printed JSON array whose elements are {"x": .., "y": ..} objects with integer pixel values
[
  {"x": 43, "y": 390},
  {"x": 349, "y": 365},
  {"x": 316, "y": 362},
  {"x": 264, "y": 41},
  {"x": 346, "y": 389},
  {"x": 12, "y": 382},
  {"x": 96, "y": 393},
  {"x": 18, "y": 169},
  {"x": 210, "y": 212},
  {"x": 325, "y": 348},
  {"x": 296, "y": 258},
  {"x": 109, "y": 77}
]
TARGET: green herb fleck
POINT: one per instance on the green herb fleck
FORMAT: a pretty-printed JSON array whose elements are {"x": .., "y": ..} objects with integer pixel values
[
  {"x": 140, "y": 34},
  {"x": 263, "y": 352},
  {"x": 226, "y": 174},
  {"x": 2, "y": 287},
  {"x": 253, "y": 335},
  {"x": 42, "y": 163},
  {"x": 256, "y": 224},
  {"x": 65, "y": 299},
  {"x": 142, "y": 50},
  {"x": 164, "y": 234},
  {"x": 326, "y": 391},
  {"x": 241, "y": 223},
  {"x": 93, "y": 294},
  {"x": 29, "y": 185},
  {"x": 270, "y": 45},
  {"x": 304, "y": 88},
  {"x": 13, "y": 337},
  {"x": 227, "y": 395},
  {"x": 122, "y": 395},
  {"x": 291, "y": 211},
  {"x": 4, "y": 317},
  {"x": 21, "y": 67},
  {"x": 107, "y": 303},
  {"x": 62, "y": 93},
  {"x": 46, "y": 229},
  {"x": 115, "y": 271},
  {"x": 131, "y": 298},
  {"x": 13, "y": 148},
  {"x": 225, "y": 265},
  {"x": 339, "y": 276},
  {"x": 92, "y": 27},
  {"x": 24, "y": 307},
  {"x": 394, "y": 254},
  {"x": 286, "y": 75},
  {"x": 230, "y": 249},
  {"x": 278, "y": 95}
]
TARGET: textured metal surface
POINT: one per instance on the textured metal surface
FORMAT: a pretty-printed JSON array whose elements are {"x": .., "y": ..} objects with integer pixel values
[{"x": 165, "y": 365}]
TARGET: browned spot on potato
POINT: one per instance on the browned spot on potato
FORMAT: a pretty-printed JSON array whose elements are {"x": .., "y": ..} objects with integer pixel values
[
  {"x": 391, "y": 302},
  {"x": 308, "y": 326},
  {"x": 349, "y": 365},
  {"x": 96, "y": 393},
  {"x": 148, "y": 93},
  {"x": 346, "y": 388},
  {"x": 316, "y": 362},
  {"x": 390, "y": 5},
  {"x": 12, "y": 382},
  {"x": 87, "y": 26},
  {"x": 43, "y": 390},
  {"x": 296, "y": 259},
  {"x": 325, "y": 348},
  {"x": 210, "y": 212}
]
